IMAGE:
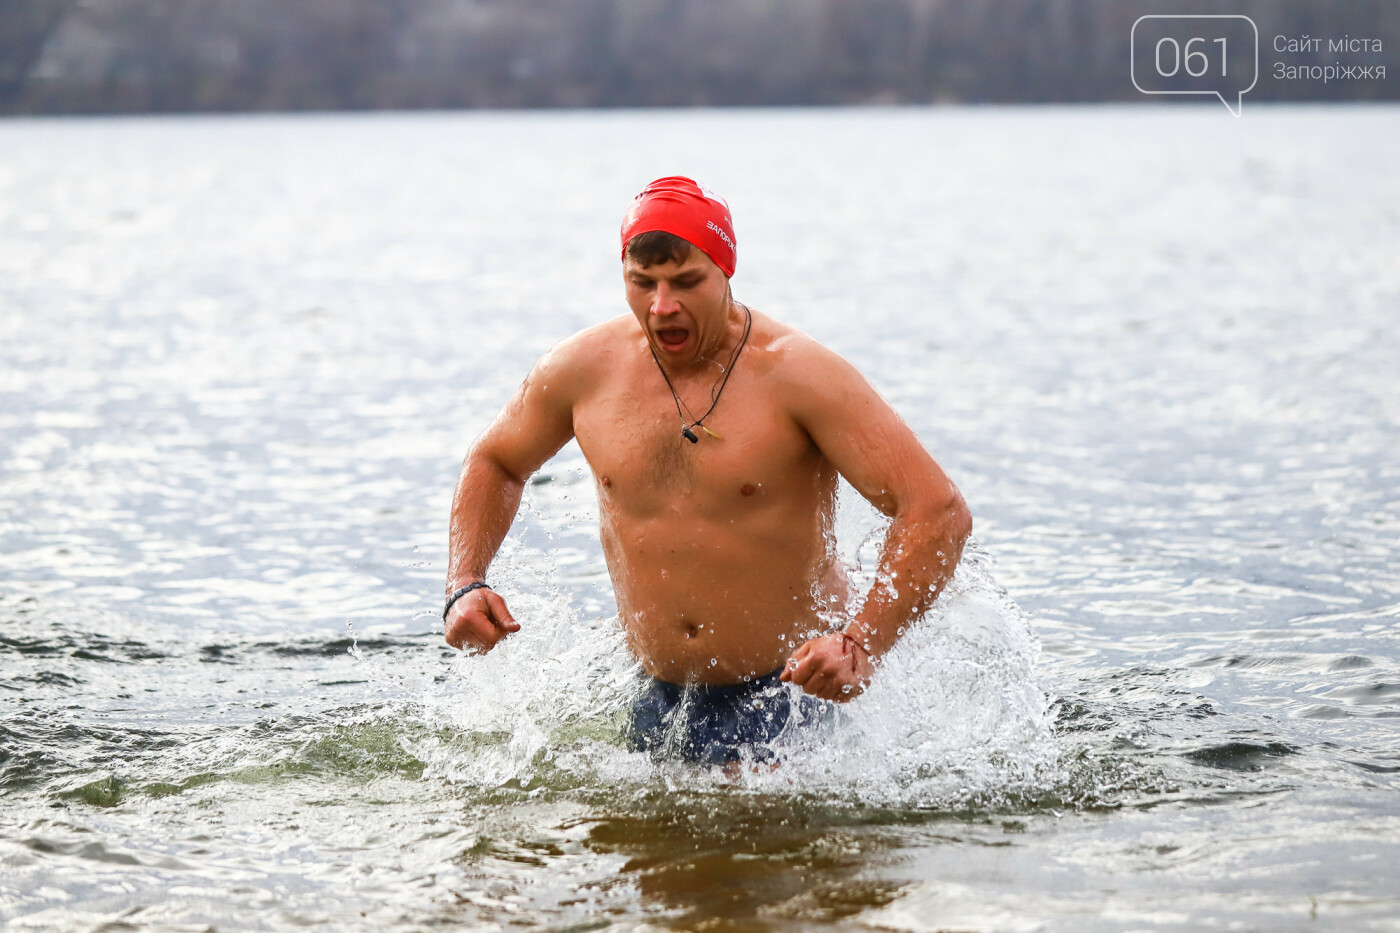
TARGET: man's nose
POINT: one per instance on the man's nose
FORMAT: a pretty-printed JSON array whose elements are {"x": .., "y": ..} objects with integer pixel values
[{"x": 664, "y": 301}]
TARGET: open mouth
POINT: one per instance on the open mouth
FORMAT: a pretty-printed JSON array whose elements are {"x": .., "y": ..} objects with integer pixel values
[{"x": 672, "y": 338}]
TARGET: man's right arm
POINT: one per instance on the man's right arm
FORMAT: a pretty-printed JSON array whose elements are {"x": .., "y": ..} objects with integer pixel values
[{"x": 534, "y": 424}]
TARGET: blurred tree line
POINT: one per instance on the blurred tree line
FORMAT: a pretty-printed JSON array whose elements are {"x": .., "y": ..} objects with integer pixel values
[{"x": 83, "y": 56}]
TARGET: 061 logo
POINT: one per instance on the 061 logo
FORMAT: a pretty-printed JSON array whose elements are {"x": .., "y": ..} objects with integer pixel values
[{"x": 1215, "y": 54}]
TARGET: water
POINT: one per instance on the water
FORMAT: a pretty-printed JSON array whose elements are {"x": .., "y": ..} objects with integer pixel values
[{"x": 240, "y": 360}]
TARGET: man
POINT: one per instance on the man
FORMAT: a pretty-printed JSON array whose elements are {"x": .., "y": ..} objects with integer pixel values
[{"x": 716, "y": 436}]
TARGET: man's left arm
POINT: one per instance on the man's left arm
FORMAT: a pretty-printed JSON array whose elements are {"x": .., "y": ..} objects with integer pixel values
[{"x": 879, "y": 455}]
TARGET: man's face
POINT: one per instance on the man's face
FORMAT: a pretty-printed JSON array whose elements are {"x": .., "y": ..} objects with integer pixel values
[{"x": 682, "y": 306}]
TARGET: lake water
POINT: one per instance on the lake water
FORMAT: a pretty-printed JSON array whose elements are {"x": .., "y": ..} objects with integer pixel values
[{"x": 241, "y": 359}]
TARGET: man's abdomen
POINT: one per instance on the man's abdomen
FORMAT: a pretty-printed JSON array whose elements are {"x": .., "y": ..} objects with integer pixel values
[{"x": 714, "y": 603}]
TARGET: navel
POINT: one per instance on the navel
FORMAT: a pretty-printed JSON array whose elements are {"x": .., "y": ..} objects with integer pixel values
[
  {"x": 607, "y": 482},
  {"x": 748, "y": 489}
]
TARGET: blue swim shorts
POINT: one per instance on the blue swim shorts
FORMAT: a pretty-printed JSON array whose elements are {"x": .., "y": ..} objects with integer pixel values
[{"x": 717, "y": 724}]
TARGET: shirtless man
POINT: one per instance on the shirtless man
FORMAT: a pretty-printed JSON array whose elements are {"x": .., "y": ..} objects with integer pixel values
[{"x": 715, "y": 435}]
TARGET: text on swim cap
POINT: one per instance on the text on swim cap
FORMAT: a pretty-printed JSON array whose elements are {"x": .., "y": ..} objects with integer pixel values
[{"x": 722, "y": 235}]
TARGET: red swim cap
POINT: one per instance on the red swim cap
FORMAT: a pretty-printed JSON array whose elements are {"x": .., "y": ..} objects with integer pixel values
[{"x": 689, "y": 210}]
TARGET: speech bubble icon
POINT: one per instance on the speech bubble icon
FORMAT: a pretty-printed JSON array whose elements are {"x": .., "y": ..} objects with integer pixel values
[{"x": 1216, "y": 53}]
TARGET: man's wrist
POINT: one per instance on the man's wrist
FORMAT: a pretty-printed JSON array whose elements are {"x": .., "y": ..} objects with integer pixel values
[
  {"x": 465, "y": 580},
  {"x": 858, "y": 639},
  {"x": 459, "y": 593}
]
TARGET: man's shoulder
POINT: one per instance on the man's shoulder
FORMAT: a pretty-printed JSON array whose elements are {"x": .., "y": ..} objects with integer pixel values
[
  {"x": 784, "y": 352},
  {"x": 588, "y": 352},
  {"x": 810, "y": 379}
]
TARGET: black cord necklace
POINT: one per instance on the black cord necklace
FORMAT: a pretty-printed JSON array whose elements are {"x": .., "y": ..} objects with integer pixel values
[{"x": 715, "y": 392}]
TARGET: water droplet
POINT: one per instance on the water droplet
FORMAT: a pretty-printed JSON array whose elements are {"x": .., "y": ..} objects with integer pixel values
[{"x": 714, "y": 661}]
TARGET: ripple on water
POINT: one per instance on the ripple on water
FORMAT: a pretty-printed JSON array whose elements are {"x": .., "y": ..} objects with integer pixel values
[
  {"x": 1240, "y": 756},
  {"x": 1177, "y": 458}
]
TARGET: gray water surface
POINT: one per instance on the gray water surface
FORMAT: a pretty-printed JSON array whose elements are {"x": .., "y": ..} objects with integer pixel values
[{"x": 240, "y": 361}]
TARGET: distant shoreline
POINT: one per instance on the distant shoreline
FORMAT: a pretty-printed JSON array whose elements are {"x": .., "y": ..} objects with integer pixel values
[{"x": 265, "y": 56}]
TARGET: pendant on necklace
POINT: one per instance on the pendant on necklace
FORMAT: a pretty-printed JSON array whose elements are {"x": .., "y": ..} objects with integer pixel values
[{"x": 711, "y": 433}]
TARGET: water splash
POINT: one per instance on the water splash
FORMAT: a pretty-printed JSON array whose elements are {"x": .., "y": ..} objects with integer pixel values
[{"x": 954, "y": 716}]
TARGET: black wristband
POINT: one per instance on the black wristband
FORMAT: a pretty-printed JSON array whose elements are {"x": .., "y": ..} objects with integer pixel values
[{"x": 478, "y": 585}]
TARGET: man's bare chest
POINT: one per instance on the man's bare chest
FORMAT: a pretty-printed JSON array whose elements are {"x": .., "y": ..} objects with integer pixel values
[{"x": 632, "y": 439}]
